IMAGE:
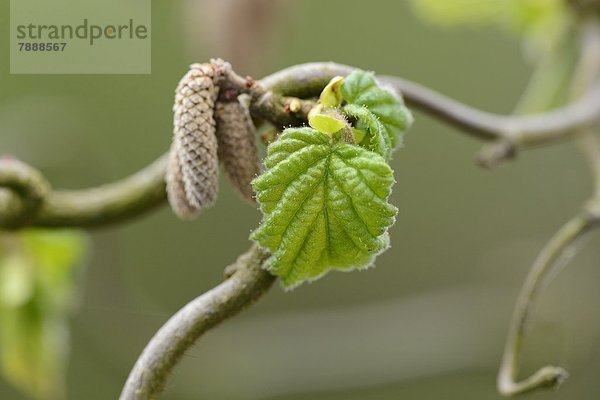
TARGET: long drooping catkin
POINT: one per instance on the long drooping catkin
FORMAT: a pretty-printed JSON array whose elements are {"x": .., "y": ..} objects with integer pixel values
[
  {"x": 194, "y": 141},
  {"x": 237, "y": 147}
]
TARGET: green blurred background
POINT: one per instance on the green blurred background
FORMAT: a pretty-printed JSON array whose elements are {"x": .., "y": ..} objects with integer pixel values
[{"x": 428, "y": 322}]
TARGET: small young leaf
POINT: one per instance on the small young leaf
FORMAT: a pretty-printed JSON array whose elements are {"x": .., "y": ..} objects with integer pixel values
[
  {"x": 326, "y": 123},
  {"x": 359, "y": 135},
  {"x": 361, "y": 88},
  {"x": 331, "y": 95},
  {"x": 325, "y": 205},
  {"x": 379, "y": 140},
  {"x": 326, "y": 120}
]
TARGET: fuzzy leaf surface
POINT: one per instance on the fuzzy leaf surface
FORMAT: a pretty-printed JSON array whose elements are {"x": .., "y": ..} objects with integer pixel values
[
  {"x": 378, "y": 139},
  {"x": 361, "y": 89},
  {"x": 325, "y": 206}
]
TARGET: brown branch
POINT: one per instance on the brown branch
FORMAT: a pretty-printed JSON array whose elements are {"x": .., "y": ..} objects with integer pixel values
[
  {"x": 521, "y": 131},
  {"x": 249, "y": 281},
  {"x": 102, "y": 205},
  {"x": 284, "y": 99}
]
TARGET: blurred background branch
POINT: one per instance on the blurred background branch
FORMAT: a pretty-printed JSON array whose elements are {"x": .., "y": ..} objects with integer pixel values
[
  {"x": 553, "y": 254},
  {"x": 589, "y": 143},
  {"x": 560, "y": 248}
]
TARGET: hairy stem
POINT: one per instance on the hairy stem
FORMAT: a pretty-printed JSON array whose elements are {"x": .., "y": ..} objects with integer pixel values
[{"x": 249, "y": 281}]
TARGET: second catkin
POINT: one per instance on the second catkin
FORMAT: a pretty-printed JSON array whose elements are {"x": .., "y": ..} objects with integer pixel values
[{"x": 236, "y": 138}]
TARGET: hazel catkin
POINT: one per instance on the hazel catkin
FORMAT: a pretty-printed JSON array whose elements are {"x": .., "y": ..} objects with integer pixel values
[
  {"x": 236, "y": 138},
  {"x": 194, "y": 142}
]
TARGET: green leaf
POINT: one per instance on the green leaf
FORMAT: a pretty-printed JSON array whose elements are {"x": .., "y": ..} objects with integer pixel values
[
  {"x": 325, "y": 206},
  {"x": 331, "y": 95},
  {"x": 362, "y": 89},
  {"x": 378, "y": 139},
  {"x": 38, "y": 276},
  {"x": 326, "y": 123},
  {"x": 326, "y": 119}
]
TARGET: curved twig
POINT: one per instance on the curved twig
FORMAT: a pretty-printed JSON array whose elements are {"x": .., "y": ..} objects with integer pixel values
[
  {"x": 306, "y": 79},
  {"x": 102, "y": 205},
  {"x": 278, "y": 98},
  {"x": 588, "y": 69},
  {"x": 246, "y": 285},
  {"x": 23, "y": 179},
  {"x": 14, "y": 211},
  {"x": 23, "y": 190},
  {"x": 26, "y": 198},
  {"x": 280, "y": 110},
  {"x": 553, "y": 252}
]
